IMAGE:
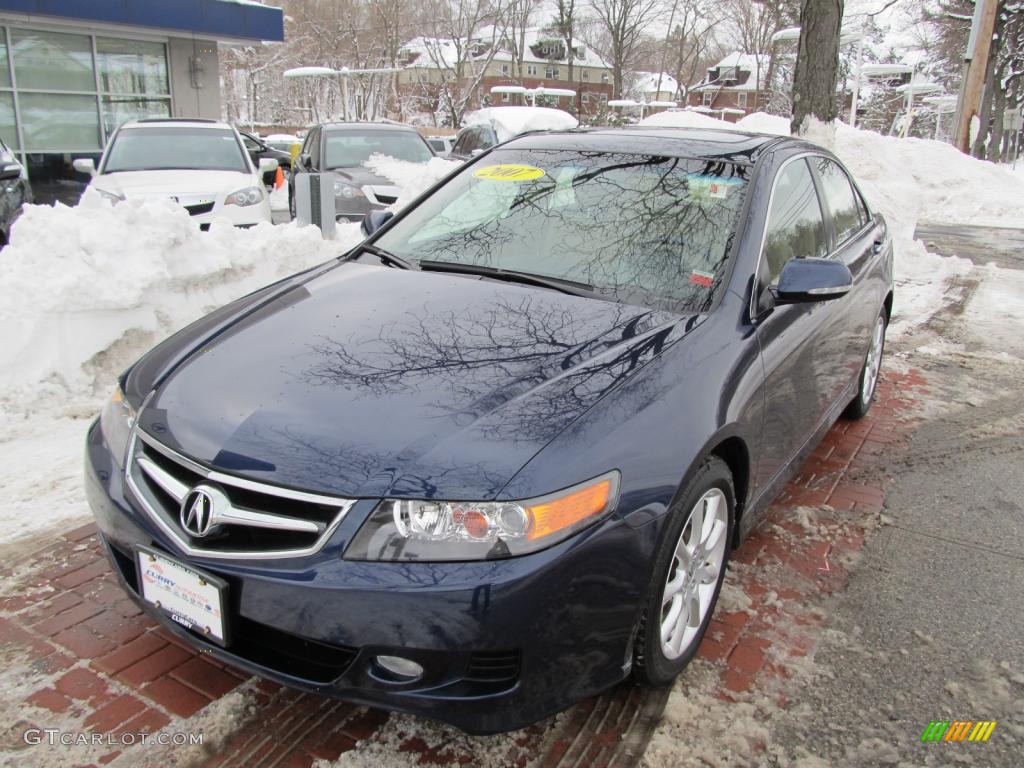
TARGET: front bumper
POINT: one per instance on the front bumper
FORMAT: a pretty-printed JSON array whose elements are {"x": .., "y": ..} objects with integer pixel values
[
  {"x": 503, "y": 643},
  {"x": 239, "y": 216}
]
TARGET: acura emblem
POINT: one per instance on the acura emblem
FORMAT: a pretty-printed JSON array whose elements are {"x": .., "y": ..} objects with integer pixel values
[{"x": 197, "y": 512}]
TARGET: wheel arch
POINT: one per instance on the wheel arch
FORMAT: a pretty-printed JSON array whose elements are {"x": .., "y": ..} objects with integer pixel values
[
  {"x": 888, "y": 306},
  {"x": 730, "y": 447}
]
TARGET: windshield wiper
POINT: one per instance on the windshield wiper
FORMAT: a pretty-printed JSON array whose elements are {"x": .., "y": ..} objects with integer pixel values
[
  {"x": 388, "y": 258},
  {"x": 570, "y": 287}
]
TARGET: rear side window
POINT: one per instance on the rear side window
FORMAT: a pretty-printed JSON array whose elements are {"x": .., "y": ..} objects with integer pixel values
[
  {"x": 796, "y": 228},
  {"x": 840, "y": 199}
]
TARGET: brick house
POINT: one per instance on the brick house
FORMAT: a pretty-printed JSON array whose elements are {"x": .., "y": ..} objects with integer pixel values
[
  {"x": 735, "y": 86},
  {"x": 428, "y": 62}
]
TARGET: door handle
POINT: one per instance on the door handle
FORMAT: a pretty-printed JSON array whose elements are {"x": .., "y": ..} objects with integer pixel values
[{"x": 876, "y": 247}]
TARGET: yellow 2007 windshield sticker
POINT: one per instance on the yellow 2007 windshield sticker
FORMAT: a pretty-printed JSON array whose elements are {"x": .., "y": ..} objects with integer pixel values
[{"x": 508, "y": 172}]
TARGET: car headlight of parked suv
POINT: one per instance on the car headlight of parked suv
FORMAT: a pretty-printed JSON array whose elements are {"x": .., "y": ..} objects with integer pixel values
[
  {"x": 244, "y": 197},
  {"x": 341, "y": 189},
  {"x": 116, "y": 422},
  {"x": 405, "y": 529}
]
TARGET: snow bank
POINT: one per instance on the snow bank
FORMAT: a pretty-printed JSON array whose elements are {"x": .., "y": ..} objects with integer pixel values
[
  {"x": 412, "y": 179},
  {"x": 85, "y": 290},
  {"x": 512, "y": 121}
]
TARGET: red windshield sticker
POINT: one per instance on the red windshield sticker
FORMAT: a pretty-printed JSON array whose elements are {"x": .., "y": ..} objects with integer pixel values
[{"x": 703, "y": 279}]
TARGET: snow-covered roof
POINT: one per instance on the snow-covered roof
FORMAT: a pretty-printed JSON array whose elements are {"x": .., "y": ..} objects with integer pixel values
[
  {"x": 757, "y": 66},
  {"x": 648, "y": 82},
  {"x": 433, "y": 51},
  {"x": 512, "y": 121}
]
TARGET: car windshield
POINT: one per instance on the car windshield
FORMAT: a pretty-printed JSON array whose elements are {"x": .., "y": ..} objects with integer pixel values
[
  {"x": 348, "y": 149},
  {"x": 640, "y": 229},
  {"x": 174, "y": 147}
]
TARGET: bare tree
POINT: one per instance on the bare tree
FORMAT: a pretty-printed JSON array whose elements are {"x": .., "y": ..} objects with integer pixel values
[
  {"x": 519, "y": 17},
  {"x": 620, "y": 30},
  {"x": 467, "y": 36}
]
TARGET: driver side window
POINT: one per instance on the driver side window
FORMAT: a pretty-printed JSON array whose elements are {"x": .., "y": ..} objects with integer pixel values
[{"x": 795, "y": 226}]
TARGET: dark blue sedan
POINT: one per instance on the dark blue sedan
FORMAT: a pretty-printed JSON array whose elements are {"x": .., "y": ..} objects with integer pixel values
[{"x": 495, "y": 458}]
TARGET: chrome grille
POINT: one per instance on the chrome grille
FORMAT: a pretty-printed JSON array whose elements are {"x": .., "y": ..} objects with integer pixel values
[{"x": 249, "y": 519}]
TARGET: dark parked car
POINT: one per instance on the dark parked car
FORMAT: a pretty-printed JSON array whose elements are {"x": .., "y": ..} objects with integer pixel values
[
  {"x": 16, "y": 191},
  {"x": 495, "y": 459},
  {"x": 342, "y": 148},
  {"x": 258, "y": 149}
]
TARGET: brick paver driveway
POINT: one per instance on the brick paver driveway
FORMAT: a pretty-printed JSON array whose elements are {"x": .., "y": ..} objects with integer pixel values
[{"x": 79, "y": 656}]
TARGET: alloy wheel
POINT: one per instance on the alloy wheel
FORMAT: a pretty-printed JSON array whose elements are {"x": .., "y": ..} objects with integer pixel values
[
  {"x": 693, "y": 575},
  {"x": 873, "y": 364}
]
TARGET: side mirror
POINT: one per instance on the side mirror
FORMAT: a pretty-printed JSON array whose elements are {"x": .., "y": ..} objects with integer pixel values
[
  {"x": 9, "y": 171},
  {"x": 812, "y": 279},
  {"x": 475, "y": 152},
  {"x": 374, "y": 220},
  {"x": 267, "y": 164},
  {"x": 84, "y": 165}
]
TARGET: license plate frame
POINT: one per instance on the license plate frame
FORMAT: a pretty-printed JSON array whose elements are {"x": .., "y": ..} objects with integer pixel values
[{"x": 208, "y": 621}]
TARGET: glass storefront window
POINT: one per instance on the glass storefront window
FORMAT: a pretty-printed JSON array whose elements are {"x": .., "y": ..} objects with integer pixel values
[
  {"x": 118, "y": 109},
  {"x": 132, "y": 66},
  {"x": 8, "y": 128},
  {"x": 52, "y": 61},
  {"x": 59, "y": 121}
]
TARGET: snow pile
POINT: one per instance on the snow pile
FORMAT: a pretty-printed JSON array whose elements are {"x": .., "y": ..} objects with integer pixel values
[
  {"x": 512, "y": 121},
  {"x": 412, "y": 179},
  {"x": 684, "y": 118},
  {"x": 85, "y": 290},
  {"x": 762, "y": 122}
]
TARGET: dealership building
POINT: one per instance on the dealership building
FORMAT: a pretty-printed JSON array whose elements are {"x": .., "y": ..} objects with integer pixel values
[{"x": 71, "y": 71}]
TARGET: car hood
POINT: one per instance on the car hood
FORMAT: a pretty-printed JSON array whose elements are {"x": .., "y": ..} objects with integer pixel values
[
  {"x": 176, "y": 183},
  {"x": 366, "y": 381},
  {"x": 361, "y": 177}
]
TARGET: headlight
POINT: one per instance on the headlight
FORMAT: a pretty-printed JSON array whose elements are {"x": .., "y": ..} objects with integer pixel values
[
  {"x": 111, "y": 196},
  {"x": 403, "y": 529},
  {"x": 116, "y": 423},
  {"x": 243, "y": 197},
  {"x": 341, "y": 189}
]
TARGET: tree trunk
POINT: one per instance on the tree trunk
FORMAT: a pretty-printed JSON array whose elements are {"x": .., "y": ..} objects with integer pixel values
[{"x": 817, "y": 62}]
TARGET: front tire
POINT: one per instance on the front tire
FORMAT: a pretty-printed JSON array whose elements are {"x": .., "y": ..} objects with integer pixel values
[
  {"x": 689, "y": 569},
  {"x": 868, "y": 379}
]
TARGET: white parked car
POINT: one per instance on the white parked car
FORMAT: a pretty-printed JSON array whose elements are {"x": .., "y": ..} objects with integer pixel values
[{"x": 200, "y": 164}]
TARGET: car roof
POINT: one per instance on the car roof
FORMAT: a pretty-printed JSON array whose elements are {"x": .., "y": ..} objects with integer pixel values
[
  {"x": 364, "y": 125},
  {"x": 702, "y": 143},
  {"x": 184, "y": 122}
]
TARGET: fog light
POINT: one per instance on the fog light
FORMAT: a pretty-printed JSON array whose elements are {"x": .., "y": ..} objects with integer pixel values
[{"x": 404, "y": 670}]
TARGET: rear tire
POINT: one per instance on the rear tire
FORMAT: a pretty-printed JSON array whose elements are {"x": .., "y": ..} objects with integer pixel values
[
  {"x": 867, "y": 381},
  {"x": 689, "y": 569}
]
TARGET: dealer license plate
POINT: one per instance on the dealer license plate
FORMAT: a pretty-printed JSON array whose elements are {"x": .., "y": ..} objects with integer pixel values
[{"x": 193, "y": 599}]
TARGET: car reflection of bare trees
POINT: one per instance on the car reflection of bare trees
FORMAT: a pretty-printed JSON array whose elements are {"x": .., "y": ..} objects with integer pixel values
[
  {"x": 518, "y": 369},
  {"x": 634, "y": 227}
]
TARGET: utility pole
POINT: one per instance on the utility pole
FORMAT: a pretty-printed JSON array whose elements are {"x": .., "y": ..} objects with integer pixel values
[{"x": 979, "y": 47}]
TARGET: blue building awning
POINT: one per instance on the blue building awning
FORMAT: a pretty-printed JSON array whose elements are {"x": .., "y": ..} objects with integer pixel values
[{"x": 217, "y": 19}]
